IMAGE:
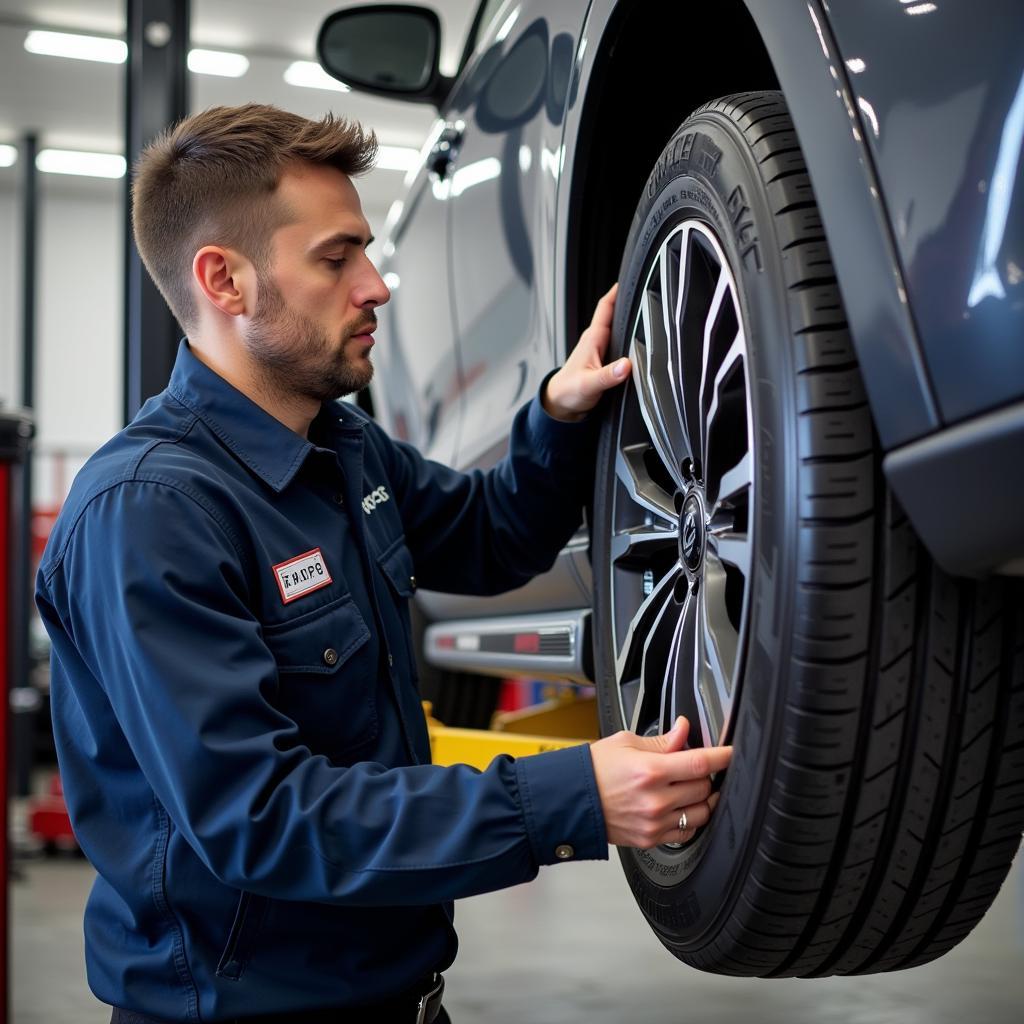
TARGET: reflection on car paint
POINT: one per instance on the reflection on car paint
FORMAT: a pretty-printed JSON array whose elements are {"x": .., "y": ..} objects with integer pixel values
[
  {"x": 1000, "y": 195},
  {"x": 475, "y": 173}
]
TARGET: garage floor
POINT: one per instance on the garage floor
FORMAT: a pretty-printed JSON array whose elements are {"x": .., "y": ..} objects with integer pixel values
[{"x": 571, "y": 948}]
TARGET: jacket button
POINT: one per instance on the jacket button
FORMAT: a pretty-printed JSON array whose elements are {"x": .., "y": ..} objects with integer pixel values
[
  {"x": 412, "y": 582},
  {"x": 391, "y": 660},
  {"x": 339, "y": 499},
  {"x": 330, "y": 656},
  {"x": 564, "y": 852}
]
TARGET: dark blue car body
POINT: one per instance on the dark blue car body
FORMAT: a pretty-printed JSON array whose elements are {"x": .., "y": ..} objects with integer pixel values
[{"x": 911, "y": 119}]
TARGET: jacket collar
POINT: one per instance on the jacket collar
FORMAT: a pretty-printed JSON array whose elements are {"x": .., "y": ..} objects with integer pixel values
[{"x": 264, "y": 444}]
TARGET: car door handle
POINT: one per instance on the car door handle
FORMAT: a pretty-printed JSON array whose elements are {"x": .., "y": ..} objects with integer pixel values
[{"x": 446, "y": 149}]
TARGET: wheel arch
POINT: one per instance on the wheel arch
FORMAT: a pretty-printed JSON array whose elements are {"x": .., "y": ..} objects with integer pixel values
[
  {"x": 617, "y": 117},
  {"x": 741, "y": 47}
]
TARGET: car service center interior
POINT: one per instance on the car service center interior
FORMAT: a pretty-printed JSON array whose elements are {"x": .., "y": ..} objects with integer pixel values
[{"x": 799, "y": 520}]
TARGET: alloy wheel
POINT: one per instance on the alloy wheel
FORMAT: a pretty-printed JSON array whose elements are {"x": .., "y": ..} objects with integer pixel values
[{"x": 682, "y": 541}]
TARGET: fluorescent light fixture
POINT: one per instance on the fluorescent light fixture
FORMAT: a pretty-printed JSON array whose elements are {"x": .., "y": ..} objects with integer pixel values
[
  {"x": 396, "y": 158},
  {"x": 921, "y": 9},
  {"x": 217, "y": 62},
  {"x": 65, "y": 44},
  {"x": 856, "y": 65},
  {"x": 91, "y": 165},
  {"x": 309, "y": 75},
  {"x": 8, "y": 154}
]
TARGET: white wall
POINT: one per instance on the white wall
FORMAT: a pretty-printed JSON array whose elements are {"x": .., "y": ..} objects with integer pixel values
[
  {"x": 78, "y": 323},
  {"x": 80, "y": 318}
]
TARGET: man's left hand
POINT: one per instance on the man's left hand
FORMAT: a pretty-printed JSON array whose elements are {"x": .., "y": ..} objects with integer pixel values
[{"x": 579, "y": 384}]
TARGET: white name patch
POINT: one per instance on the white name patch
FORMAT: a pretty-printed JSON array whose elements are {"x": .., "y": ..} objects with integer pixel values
[{"x": 301, "y": 575}]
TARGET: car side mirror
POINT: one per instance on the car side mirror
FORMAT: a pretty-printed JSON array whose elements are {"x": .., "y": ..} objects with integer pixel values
[{"x": 386, "y": 49}]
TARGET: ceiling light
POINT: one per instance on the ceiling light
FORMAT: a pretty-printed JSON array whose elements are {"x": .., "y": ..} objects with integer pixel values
[
  {"x": 396, "y": 158},
  {"x": 64, "y": 44},
  {"x": 92, "y": 165},
  {"x": 217, "y": 62},
  {"x": 8, "y": 154},
  {"x": 310, "y": 75}
]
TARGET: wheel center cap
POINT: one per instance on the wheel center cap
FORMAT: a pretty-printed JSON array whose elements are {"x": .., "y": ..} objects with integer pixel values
[{"x": 691, "y": 533}]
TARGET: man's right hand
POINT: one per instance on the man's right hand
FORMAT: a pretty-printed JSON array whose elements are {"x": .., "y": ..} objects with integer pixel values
[{"x": 646, "y": 783}]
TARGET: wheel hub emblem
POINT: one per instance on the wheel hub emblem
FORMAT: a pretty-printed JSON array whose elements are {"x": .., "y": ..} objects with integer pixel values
[{"x": 692, "y": 533}]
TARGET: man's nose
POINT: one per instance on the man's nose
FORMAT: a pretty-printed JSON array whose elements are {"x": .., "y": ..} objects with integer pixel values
[{"x": 373, "y": 290}]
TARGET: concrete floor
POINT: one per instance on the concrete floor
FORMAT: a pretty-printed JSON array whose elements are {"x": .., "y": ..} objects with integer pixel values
[{"x": 571, "y": 948}]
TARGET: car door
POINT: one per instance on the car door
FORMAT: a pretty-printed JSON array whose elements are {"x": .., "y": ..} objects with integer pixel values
[
  {"x": 419, "y": 359},
  {"x": 507, "y": 111}
]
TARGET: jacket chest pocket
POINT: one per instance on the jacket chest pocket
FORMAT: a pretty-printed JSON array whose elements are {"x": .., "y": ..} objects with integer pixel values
[
  {"x": 396, "y": 566},
  {"x": 327, "y": 673}
]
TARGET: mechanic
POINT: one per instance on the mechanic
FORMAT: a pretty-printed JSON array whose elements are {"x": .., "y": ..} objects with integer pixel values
[{"x": 241, "y": 741}]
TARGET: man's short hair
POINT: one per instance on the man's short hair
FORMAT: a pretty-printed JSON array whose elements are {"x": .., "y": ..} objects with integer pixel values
[{"x": 211, "y": 178}]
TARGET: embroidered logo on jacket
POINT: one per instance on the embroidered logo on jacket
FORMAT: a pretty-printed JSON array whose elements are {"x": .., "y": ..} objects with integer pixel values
[
  {"x": 375, "y": 498},
  {"x": 301, "y": 575}
]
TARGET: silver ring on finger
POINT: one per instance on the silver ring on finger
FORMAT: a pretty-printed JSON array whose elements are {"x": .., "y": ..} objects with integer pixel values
[{"x": 682, "y": 822}]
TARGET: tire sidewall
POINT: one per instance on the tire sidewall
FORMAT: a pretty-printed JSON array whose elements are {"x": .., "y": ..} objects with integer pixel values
[{"x": 708, "y": 173}]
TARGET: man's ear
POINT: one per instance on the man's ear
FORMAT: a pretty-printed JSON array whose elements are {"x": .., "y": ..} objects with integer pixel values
[{"x": 226, "y": 279}]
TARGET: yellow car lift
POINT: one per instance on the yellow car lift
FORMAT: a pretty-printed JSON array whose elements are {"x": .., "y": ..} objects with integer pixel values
[{"x": 563, "y": 721}]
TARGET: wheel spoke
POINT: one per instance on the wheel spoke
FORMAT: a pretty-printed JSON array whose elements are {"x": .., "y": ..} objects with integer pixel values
[
  {"x": 641, "y": 543},
  {"x": 737, "y": 351},
  {"x": 633, "y": 475},
  {"x": 717, "y": 644},
  {"x": 731, "y": 548},
  {"x": 734, "y": 482},
  {"x": 657, "y": 656},
  {"x": 654, "y": 371},
  {"x": 676, "y": 248},
  {"x": 680, "y": 668},
  {"x": 640, "y": 624},
  {"x": 649, "y": 406},
  {"x": 701, "y": 402}
]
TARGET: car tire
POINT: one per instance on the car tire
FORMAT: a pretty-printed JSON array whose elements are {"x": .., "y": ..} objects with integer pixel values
[{"x": 753, "y": 572}]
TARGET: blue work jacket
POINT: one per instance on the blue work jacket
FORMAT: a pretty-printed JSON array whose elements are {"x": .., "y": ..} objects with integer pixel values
[{"x": 235, "y": 705}]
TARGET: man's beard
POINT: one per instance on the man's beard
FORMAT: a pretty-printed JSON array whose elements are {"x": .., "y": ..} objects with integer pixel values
[{"x": 293, "y": 355}]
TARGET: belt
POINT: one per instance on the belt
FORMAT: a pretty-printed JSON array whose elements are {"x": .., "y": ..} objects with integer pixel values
[{"x": 421, "y": 1006}]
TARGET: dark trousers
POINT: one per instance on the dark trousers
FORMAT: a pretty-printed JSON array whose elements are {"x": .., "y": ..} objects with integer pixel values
[{"x": 368, "y": 1016}]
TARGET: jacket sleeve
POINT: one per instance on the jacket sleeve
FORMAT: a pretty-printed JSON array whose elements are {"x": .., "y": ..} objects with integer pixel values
[
  {"x": 149, "y": 595},
  {"x": 485, "y": 532}
]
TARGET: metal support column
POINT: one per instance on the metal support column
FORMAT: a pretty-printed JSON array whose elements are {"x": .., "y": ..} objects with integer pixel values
[
  {"x": 28, "y": 150},
  {"x": 156, "y": 96},
  {"x": 21, "y": 556},
  {"x": 15, "y": 436}
]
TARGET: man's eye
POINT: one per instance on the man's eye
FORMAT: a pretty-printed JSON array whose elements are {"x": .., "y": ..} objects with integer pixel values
[{"x": 336, "y": 264}]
